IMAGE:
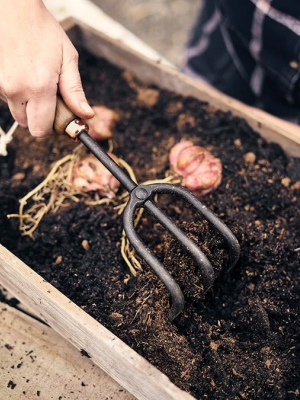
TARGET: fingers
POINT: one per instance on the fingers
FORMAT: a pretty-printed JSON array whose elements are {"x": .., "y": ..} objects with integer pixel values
[
  {"x": 34, "y": 105},
  {"x": 18, "y": 111},
  {"x": 40, "y": 115},
  {"x": 16, "y": 104},
  {"x": 70, "y": 87},
  {"x": 37, "y": 112},
  {"x": 32, "y": 98}
]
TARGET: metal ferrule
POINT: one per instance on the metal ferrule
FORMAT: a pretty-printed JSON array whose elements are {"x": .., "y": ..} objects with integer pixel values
[{"x": 75, "y": 127}]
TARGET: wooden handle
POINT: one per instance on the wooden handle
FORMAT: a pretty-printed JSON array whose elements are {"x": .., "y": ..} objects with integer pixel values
[{"x": 63, "y": 116}]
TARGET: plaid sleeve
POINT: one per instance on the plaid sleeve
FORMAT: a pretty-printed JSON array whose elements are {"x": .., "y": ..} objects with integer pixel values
[{"x": 249, "y": 49}]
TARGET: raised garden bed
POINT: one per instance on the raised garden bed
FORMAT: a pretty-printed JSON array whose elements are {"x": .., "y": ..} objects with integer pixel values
[{"x": 242, "y": 339}]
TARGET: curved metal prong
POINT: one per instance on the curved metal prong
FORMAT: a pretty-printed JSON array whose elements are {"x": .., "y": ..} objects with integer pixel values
[
  {"x": 140, "y": 197},
  {"x": 172, "y": 287},
  {"x": 229, "y": 238},
  {"x": 197, "y": 254}
]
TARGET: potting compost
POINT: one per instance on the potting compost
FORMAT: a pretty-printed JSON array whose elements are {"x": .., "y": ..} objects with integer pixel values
[{"x": 240, "y": 340}]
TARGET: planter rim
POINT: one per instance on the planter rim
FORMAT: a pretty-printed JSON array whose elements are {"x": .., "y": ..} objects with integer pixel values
[
  {"x": 88, "y": 16},
  {"x": 69, "y": 11}
]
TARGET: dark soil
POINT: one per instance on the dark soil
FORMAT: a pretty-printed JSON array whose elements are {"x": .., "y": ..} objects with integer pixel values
[{"x": 241, "y": 340}]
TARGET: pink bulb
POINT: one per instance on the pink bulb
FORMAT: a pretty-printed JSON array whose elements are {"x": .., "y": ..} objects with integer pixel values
[
  {"x": 189, "y": 159},
  {"x": 102, "y": 124},
  {"x": 201, "y": 172},
  {"x": 203, "y": 181},
  {"x": 176, "y": 150},
  {"x": 90, "y": 175}
]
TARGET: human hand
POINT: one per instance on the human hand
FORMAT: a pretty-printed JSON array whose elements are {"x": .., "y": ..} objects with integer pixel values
[{"x": 37, "y": 59}]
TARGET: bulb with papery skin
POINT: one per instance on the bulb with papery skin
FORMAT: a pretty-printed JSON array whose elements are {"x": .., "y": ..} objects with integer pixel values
[
  {"x": 90, "y": 175},
  {"x": 102, "y": 124},
  {"x": 201, "y": 172},
  {"x": 175, "y": 151}
]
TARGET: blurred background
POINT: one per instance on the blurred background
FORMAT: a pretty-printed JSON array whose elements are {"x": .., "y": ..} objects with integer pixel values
[{"x": 163, "y": 24}]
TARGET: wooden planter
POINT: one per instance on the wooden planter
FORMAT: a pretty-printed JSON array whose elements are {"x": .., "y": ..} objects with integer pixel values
[{"x": 123, "y": 364}]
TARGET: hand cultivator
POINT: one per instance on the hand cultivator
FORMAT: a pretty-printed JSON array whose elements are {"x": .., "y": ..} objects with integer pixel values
[{"x": 143, "y": 196}]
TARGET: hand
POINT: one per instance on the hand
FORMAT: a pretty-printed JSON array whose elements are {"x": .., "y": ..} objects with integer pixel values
[{"x": 37, "y": 59}]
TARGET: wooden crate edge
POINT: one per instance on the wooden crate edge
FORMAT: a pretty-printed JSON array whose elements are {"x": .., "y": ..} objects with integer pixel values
[
  {"x": 151, "y": 71},
  {"x": 107, "y": 351}
]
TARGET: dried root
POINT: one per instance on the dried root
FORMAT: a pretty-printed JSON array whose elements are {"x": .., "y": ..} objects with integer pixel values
[
  {"x": 6, "y": 138},
  {"x": 53, "y": 193},
  {"x": 57, "y": 191}
]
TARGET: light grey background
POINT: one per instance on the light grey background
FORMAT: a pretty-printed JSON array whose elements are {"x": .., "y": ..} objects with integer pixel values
[{"x": 163, "y": 24}]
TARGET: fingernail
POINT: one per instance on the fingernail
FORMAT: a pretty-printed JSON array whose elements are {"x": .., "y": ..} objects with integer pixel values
[{"x": 84, "y": 105}]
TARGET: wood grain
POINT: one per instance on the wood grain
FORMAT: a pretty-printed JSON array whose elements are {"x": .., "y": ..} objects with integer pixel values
[
  {"x": 271, "y": 128},
  {"x": 63, "y": 116},
  {"x": 36, "y": 362},
  {"x": 118, "y": 360}
]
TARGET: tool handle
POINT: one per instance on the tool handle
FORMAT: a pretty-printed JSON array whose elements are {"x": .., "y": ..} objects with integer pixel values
[
  {"x": 77, "y": 129},
  {"x": 63, "y": 116}
]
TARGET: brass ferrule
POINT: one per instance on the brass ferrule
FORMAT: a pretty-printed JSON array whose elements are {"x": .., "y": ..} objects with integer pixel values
[{"x": 75, "y": 127}]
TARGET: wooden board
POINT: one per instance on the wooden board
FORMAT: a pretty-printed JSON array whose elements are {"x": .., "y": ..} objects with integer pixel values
[
  {"x": 153, "y": 72},
  {"x": 118, "y": 360},
  {"x": 36, "y": 362}
]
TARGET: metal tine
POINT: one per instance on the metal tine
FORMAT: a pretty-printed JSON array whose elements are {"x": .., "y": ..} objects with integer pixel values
[
  {"x": 141, "y": 196},
  {"x": 177, "y": 298},
  {"x": 142, "y": 193},
  {"x": 219, "y": 226}
]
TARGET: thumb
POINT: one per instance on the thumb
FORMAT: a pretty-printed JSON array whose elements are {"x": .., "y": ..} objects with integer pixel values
[{"x": 70, "y": 88}]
